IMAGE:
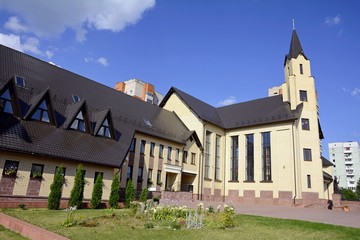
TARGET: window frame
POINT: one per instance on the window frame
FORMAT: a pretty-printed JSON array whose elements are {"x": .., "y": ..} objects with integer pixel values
[
  {"x": 193, "y": 158},
  {"x": 152, "y": 149},
  {"x": 303, "y": 95},
  {"x": 249, "y": 157},
  {"x": 161, "y": 151},
  {"x": 234, "y": 164},
  {"x": 40, "y": 111},
  {"x": 207, "y": 154},
  {"x": 307, "y": 155},
  {"x": 169, "y": 153},
  {"x": 305, "y": 124},
  {"x": 217, "y": 172},
  {"x": 10, "y": 172},
  {"x": 6, "y": 101},
  {"x": 39, "y": 174},
  {"x": 266, "y": 156}
]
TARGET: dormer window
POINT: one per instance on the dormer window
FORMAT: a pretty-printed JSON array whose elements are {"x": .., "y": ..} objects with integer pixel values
[
  {"x": 41, "y": 113},
  {"x": 76, "y": 98},
  {"x": 5, "y": 102},
  {"x": 79, "y": 123},
  {"x": 104, "y": 130},
  {"x": 20, "y": 81}
]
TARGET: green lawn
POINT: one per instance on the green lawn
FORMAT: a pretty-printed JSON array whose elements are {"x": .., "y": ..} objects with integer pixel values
[
  {"x": 99, "y": 224},
  {"x": 9, "y": 235}
]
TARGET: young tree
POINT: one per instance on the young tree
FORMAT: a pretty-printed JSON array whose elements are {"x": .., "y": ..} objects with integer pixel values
[
  {"x": 129, "y": 193},
  {"x": 56, "y": 190},
  {"x": 77, "y": 192},
  {"x": 144, "y": 195},
  {"x": 115, "y": 191},
  {"x": 97, "y": 192},
  {"x": 347, "y": 194},
  {"x": 358, "y": 189}
]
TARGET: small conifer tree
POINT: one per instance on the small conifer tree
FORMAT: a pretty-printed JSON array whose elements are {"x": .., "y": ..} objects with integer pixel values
[
  {"x": 144, "y": 195},
  {"x": 358, "y": 189},
  {"x": 56, "y": 190},
  {"x": 115, "y": 191},
  {"x": 77, "y": 192},
  {"x": 129, "y": 193},
  {"x": 97, "y": 192}
]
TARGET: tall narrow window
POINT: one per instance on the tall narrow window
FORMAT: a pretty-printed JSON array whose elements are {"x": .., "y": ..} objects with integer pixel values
[
  {"x": 104, "y": 130},
  {"x": 41, "y": 113},
  {"x": 133, "y": 144},
  {"x": 249, "y": 157},
  {"x": 301, "y": 69},
  {"x": 266, "y": 156},
  {"x": 234, "y": 158},
  {"x": 161, "y": 150},
  {"x": 169, "y": 153},
  {"x": 308, "y": 181},
  {"x": 152, "y": 148},
  {"x": 140, "y": 174},
  {"x": 5, "y": 102},
  {"x": 217, "y": 158},
  {"x": 305, "y": 124},
  {"x": 177, "y": 153},
  {"x": 303, "y": 96},
  {"x": 307, "y": 154},
  {"x": 149, "y": 178},
  {"x": 207, "y": 154},
  {"x": 142, "y": 146},
  {"x": 185, "y": 155},
  {"x": 158, "y": 177},
  {"x": 193, "y": 158},
  {"x": 36, "y": 171},
  {"x": 129, "y": 172},
  {"x": 79, "y": 123}
]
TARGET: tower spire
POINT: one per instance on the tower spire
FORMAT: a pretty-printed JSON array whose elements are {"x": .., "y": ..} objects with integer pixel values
[{"x": 295, "y": 45}]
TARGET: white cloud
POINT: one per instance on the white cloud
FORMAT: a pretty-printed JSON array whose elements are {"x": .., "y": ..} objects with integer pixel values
[
  {"x": 103, "y": 61},
  {"x": 353, "y": 92},
  {"x": 49, "y": 54},
  {"x": 332, "y": 21},
  {"x": 81, "y": 15},
  {"x": 228, "y": 101},
  {"x": 12, "y": 41}
]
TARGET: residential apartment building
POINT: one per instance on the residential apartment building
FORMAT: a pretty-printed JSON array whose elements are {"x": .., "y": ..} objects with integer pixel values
[
  {"x": 346, "y": 159},
  {"x": 266, "y": 150},
  {"x": 139, "y": 89}
]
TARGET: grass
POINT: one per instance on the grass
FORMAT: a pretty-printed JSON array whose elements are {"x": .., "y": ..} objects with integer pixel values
[
  {"x": 9, "y": 235},
  {"x": 120, "y": 224}
]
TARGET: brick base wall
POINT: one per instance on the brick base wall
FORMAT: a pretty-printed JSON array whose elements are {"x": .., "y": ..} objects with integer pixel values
[{"x": 178, "y": 196}]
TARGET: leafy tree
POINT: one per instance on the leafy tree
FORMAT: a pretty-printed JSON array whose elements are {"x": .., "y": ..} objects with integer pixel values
[
  {"x": 129, "y": 193},
  {"x": 347, "y": 194},
  {"x": 358, "y": 189},
  {"x": 77, "y": 192},
  {"x": 97, "y": 192},
  {"x": 115, "y": 191},
  {"x": 56, "y": 190},
  {"x": 144, "y": 195}
]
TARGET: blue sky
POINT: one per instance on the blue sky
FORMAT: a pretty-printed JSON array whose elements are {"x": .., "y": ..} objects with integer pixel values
[{"x": 218, "y": 51}]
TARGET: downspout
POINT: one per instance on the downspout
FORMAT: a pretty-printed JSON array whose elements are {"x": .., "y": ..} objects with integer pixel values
[{"x": 294, "y": 159}]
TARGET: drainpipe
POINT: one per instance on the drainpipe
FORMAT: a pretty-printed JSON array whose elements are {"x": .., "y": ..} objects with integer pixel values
[{"x": 294, "y": 159}]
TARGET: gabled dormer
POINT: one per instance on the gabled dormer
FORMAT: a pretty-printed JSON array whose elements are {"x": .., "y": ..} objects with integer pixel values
[
  {"x": 103, "y": 124},
  {"x": 77, "y": 117},
  {"x": 9, "y": 99},
  {"x": 41, "y": 108}
]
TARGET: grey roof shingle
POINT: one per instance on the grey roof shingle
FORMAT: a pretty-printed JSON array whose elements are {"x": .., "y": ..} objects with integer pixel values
[{"x": 128, "y": 114}]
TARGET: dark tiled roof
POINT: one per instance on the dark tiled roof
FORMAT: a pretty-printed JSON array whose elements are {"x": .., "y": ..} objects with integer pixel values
[
  {"x": 325, "y": 162},
  {"x": 295, "y": 47},
  {"x": 260, "y": 111},
  {"x": 128, "y": 114}
]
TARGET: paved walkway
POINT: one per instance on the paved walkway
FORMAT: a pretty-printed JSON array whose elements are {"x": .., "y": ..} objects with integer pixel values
[{"x": 321, "y": 215}]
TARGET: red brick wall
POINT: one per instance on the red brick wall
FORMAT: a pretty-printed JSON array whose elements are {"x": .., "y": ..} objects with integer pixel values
[{"x": 7, "y": 185}]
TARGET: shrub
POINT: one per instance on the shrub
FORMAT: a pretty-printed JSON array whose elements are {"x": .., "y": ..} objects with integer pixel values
[
  {"x": 144, "y": 195},
  {"x": 358, "y": 189},
  {"x": 347, "y": 194},
  {"x": 77, "y": 192},
  {"x": 56, "y": 190},
  {"x": 97, "y": 192},
  {"x": 115, "y": 191},
  {"x": 129, "y": 193},
  {"x": 227, "y": 218}
]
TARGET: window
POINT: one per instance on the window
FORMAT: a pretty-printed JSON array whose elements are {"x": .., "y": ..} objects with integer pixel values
[
  {"x": 76, "y": 98},
  {"x": 142, "y": 146},
  {"x": 307, "y": 154},
  {"x": 152, "y": 148},
  {"x": 63, "y": 170},
  {"x": 234, "y": 158},
  {"x": 207, "y": 154},
  {"x": 266, "y": 156},
  {"x": 193, "y": 158},
  {"x": 308, "y": 181},
  {"x": 41, "y": 113},
  {"x": 158, "y": 177},
  {"x": 150, "y": 175},
  {"x": 36, "y": 171},
  {"x": 177, "y": 154},
  {"x": 10, "y": 168},
  {"x": 140, "y": 174},
  {"x": 79, "y": 123},
  {"x": 20, "y": 81},
  {"x": 161, "y": 150},
  {"x": 217, "y": 158},
  {"x": 169, "y": 153},
  {"x": 132, "y": 146},
  {"x": 303, "y": 96},
  {"x": 301, "y": 69},
  {"x": 185, "y": 155},
  {"x": 5, "y": 102},
  {"x": 305, "y": 124},
  {"x": 104, "y": 130},
  {"x": 129, "y": 173},
  {"x": 97, "y": 174},
  {"x": 249, "y": 157}
]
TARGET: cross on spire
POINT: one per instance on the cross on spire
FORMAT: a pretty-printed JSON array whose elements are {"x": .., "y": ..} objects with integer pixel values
[{"x": 293, "y": 22}]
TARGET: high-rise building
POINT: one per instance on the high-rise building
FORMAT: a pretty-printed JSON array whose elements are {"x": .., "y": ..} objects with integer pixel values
[
  {"x": 346, "y": 159},
  {"x": 139, "y": 89}
]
